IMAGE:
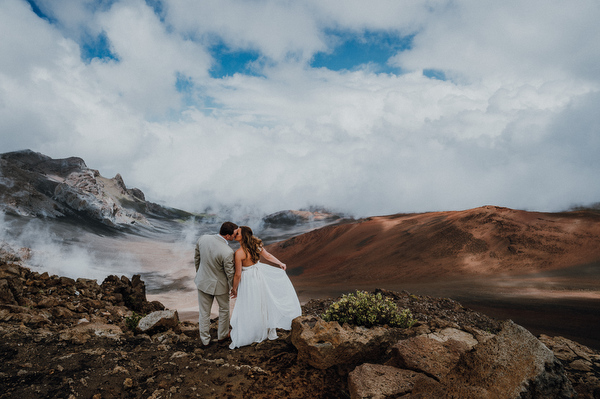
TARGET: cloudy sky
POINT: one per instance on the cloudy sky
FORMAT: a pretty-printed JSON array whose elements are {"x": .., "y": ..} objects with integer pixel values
[{"x": 367, "y": 107}]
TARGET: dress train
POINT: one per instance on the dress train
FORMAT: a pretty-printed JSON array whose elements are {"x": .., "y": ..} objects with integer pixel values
[{"x": 266, "y": 301}]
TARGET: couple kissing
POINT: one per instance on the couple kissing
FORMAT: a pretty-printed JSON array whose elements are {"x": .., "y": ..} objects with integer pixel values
[{"x": 265, "y": 297}]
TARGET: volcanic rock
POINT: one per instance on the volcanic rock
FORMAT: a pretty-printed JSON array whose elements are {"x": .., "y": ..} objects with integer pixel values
[
  {"x": 85, "y": 192},
  {"x": 159, "y": 321},
  {"x": 378, "y": 381},
  {"x": 130, "y": 293},
  {"x": 513, "y": 364},
  {"x": 6, "y": 295},
  {"x": 427, "y": 355},
  {"x": 83, "y": 332},
  {"x": 581, "y": 363},
  {"x": 326, "y": 344},
  {"x": 33, "y": 184}
]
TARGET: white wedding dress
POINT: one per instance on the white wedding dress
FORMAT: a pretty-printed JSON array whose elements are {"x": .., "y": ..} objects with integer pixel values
[{"x": 266, "y": 300}]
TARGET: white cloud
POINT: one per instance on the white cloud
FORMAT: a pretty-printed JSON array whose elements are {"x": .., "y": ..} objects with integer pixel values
[
  {"x": 511, "y": 41},
  {"x": 514, "y": 127},
  {"x": 278, "y": 30}
]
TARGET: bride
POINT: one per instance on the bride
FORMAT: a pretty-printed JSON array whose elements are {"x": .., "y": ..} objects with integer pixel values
[{"x": 266, "y": 299}]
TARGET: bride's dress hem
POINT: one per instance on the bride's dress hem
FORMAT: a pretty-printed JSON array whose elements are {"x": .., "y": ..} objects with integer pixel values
[{"x": 266, "y": 301}]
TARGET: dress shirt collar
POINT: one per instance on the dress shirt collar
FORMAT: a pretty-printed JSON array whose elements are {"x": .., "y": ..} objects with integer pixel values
[{"x": 223, "y": 238}]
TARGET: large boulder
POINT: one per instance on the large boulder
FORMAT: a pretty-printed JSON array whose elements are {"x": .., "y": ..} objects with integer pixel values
[
  {"x": 326, "y": 344},
  {"x": 424, "y": 357},
  {"x": 158, "y": 321},
  {"x": 513, "y": 364},
  {"x": 428, "y": 355}
]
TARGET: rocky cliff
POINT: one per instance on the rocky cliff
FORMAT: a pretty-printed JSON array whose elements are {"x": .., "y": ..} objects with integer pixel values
[
  {"x": 33, "y": 184},
  {"x": 65, "y": 338}
]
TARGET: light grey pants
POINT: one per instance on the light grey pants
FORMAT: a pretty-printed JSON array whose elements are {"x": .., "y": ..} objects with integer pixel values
[{"x": 205, "y": 302}]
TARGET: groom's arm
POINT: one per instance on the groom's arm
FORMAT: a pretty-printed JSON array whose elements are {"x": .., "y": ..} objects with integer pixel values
[
  {"x": 197, "y": 257},
  {"x": 229, "y": 268},
  {"x": 238, "y": 273}
]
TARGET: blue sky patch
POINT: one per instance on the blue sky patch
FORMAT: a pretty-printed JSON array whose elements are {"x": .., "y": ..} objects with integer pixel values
[
  {"x": 97, "y": 47},
  {"x": 100, "y": 5},
  {"x": 230, "y": 62},
  {"x": 353, "y": 51},
  {"x": 183, "y": 84},
  {"x": 158, "y": 7},
  {"x": 36, "y": 9},
  {"x": 434, "y": 74}
]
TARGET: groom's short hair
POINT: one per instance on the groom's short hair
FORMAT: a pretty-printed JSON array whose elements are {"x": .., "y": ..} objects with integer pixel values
[{"x": 228, "y": 228}]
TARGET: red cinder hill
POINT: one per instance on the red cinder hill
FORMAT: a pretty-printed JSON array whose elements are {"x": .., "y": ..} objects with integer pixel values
[{"x": 484, "y": 242}]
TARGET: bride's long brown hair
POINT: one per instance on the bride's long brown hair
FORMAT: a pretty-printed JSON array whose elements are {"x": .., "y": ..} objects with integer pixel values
[{"x": 250, "y": 244}]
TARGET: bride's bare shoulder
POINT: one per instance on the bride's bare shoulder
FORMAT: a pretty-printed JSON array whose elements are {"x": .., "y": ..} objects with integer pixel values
[{"x": 240, "y": 253}]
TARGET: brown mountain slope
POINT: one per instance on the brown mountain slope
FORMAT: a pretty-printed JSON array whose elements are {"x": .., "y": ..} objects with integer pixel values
[{"x": 411, "y": 248}]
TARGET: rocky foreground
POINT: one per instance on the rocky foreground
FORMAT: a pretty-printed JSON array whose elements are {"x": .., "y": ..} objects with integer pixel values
[{"x": 65, "y": 338}]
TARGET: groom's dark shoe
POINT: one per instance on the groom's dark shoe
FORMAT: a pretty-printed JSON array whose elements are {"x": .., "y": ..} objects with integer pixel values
[{"x": 225, "y": 341}]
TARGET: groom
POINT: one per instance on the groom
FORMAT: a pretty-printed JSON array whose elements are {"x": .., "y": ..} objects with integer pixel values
[{"x": 214, "y": 278}]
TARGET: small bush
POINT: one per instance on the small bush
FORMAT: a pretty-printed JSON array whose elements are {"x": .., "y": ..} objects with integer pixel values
[
  {"x": 132, "y": 321},
  {"x": 365, "y": 309}
]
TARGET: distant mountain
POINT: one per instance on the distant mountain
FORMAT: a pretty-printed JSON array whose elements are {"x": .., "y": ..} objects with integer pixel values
[
  {"x": 290, "y": 218},
  {"x": 436, "y": 246},
  {"x": 35, "y": 185}
]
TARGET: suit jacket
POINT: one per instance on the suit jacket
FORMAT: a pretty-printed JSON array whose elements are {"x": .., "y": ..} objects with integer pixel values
[{"x": 214, "y": 265}]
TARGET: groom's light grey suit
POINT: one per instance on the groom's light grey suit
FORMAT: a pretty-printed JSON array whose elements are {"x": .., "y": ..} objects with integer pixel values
[{"x": 214, "y": 279}]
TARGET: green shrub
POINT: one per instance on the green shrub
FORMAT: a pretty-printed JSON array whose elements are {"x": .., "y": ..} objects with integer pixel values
[
  {"x": 365, "y": 309},
  {"x": 132, "y": 321}
]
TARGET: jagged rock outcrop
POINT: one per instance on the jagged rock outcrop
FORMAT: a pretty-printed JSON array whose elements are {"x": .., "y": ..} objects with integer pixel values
[
  {"x": 86, "y": 192},
  {"x": 33, "y": 184},
  {"x": 129, "y": 293}
]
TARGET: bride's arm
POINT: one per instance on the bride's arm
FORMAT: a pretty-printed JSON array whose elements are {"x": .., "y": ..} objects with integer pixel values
[
  {"x": 265, "y": 254},
  {"x": 239, "y": 256}
]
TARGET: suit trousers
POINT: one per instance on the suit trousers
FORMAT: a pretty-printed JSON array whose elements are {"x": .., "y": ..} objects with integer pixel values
[{"x": 205, "y": 302}]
